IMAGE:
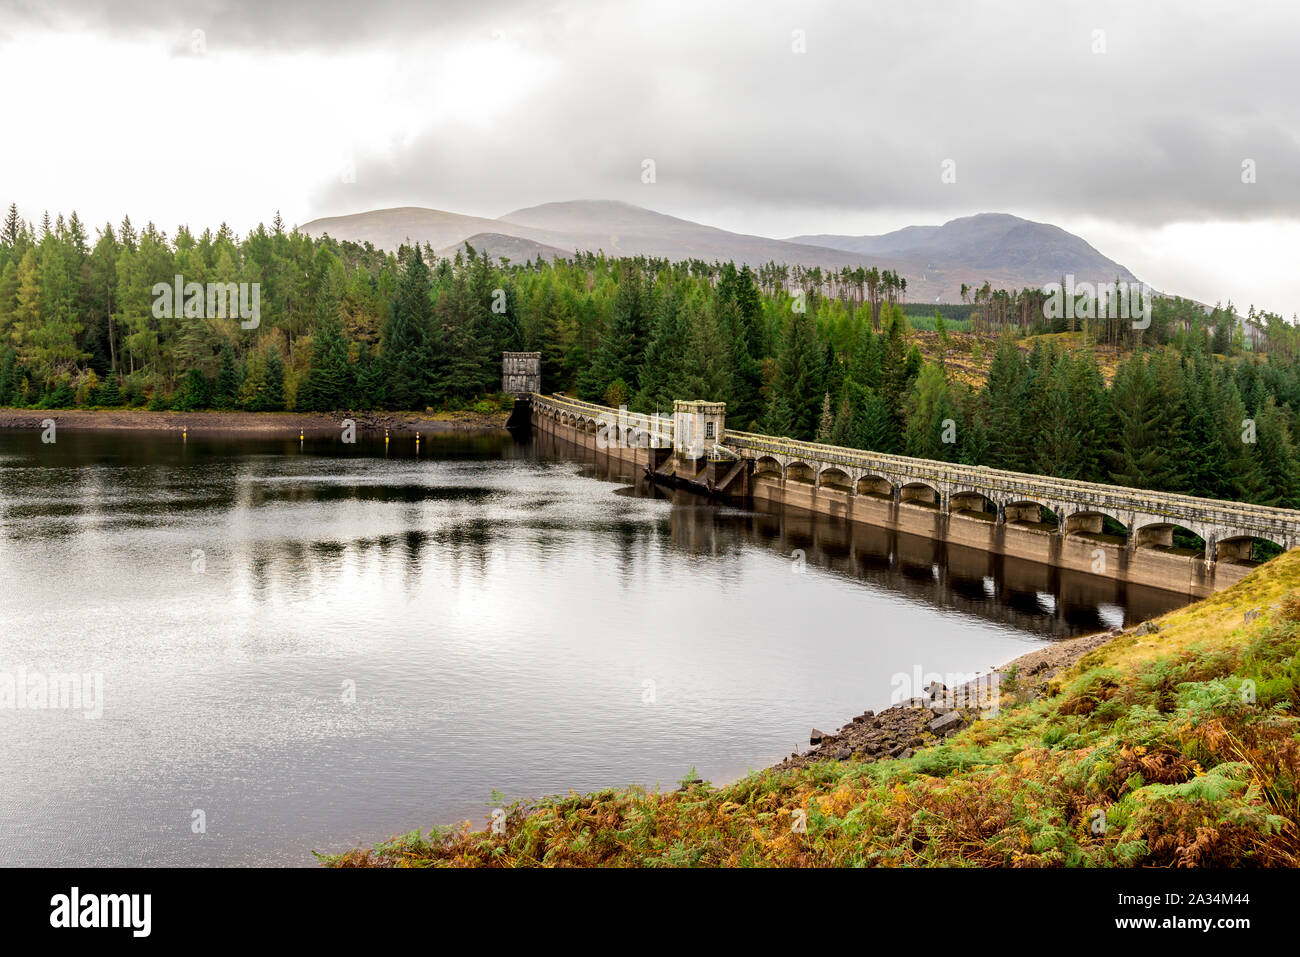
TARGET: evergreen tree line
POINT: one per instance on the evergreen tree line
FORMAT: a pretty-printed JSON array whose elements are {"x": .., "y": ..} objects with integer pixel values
[
  {"x": 1168, "y": 420},
  {"x": 346, "y": 326}
]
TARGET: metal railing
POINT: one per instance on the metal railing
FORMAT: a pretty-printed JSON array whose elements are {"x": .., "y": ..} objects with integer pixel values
[
  {"x": 977, "y": 476},
  {"x": 665, "y": 428},
  {"x": 974, "y": 477}
]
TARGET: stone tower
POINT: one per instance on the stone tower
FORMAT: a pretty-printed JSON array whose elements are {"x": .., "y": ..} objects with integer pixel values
[
  {"x": 697, "y": 427},
  {"x": 521, "y": 372}
]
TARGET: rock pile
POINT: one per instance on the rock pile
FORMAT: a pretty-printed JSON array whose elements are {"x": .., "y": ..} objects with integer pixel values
[{"x": 895, "y": 732}]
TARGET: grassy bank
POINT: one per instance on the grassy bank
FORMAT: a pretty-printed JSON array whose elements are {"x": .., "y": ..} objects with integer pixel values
[{"x": 1174, "y": 749}]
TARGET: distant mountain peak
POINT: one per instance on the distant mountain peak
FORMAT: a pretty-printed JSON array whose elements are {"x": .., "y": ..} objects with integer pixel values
[{"x": 1005, "y": 250}]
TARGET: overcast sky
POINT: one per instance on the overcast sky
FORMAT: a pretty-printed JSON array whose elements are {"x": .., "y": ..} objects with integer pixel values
[{"x": 1126, "y": 123}]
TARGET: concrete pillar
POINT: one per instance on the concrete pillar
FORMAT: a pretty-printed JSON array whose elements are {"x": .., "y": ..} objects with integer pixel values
[
  {"x": 1237, "y": 549},
  {"x": 1084, "y": 523},
  {"x": 918, "y": 493},
  {"x": 1024, "y": 513},
  {"x": 1158, "y": 536}
]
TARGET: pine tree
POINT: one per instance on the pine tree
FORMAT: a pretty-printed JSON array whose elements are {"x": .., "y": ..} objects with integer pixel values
[
  {"x": 466, "y": 351},
  {"x": 1059, "y": 449},
  {"x": 795, "y": 407},
  {"x": 1005, "y": 393},
  {"x": 271, "y": 394},
  {"x": 842, "y": 427},
  {"x": 1137, "y": 459},
  {"x": 11, "y": 231},
  {"x": 372, "y": 378},
  {"x": 873, "y": 424},
  {"x": 227, "y": 387},
  {"x": 27, "y": 304},
  {"x": 665, "y": 354},
  {"x": 621, "y": 350},
  {"x": 898, "y": 368},
  {"x": 110, "y": 395},
  {"x": 1238, "y": 476},
  {"x": 196, "y": 393},
  {"x": 826, "y": 423},
  {"x": 8, "y": 376},
  {"x": 409, "y": 349},
  {"x": 706, "y": 366},
  {"x": 930, "y": 413},
  {"x": 1275, "y": 451},
  {"x": 8, "y": 298},
  {"x": 329, "y": 383}
]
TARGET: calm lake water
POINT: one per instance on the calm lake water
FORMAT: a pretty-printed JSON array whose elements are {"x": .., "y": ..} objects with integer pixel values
[{"x": 322, "y": 646}]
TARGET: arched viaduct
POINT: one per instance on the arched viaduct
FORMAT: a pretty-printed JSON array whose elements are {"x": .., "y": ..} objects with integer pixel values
[{"x": 1103, "y": 529}]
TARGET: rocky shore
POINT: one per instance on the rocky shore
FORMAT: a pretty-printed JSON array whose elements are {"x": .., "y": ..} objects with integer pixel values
[{"x": 898, "y": 731}]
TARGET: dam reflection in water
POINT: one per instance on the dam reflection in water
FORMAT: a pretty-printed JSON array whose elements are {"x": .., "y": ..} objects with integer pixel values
[
  {"x": 1044, "y": 599},
  {"x": 505, "y": 617}
]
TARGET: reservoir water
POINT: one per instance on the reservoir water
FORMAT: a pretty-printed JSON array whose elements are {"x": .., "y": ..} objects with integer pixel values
[{"x": 322, "y": 645}]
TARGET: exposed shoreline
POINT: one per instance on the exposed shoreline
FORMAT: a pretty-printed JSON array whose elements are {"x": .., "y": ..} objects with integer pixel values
[
  {"x": 899, "y": 730},
  {"x": 259, "y": 423}
]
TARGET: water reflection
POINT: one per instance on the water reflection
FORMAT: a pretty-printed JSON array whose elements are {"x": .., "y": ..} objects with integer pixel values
[
  {"x": 498, "y": 608},
  {"x": 1024, "y": 594}
]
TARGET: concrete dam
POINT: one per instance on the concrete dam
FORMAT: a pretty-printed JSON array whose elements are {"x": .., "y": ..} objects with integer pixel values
[{"x": 1056, "y": 522}]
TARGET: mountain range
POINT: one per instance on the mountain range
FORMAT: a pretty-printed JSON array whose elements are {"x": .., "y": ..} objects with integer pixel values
[{"x": 1004, "y": 250}]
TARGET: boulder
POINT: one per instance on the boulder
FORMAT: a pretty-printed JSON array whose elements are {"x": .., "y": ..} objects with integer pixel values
[
  {"x": 817, "y": 737},
  {"x": 948, "y": 723}
]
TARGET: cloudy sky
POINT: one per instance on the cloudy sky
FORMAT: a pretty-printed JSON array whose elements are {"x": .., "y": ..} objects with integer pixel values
[{"x": 1126, "y": 123}]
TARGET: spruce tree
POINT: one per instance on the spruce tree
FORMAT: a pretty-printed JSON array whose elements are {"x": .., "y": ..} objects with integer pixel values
[
  {"x": 273, "y": 383},
  {"x": 1137, "y": 457},
  {"x": 329, "y": 377},
  {"x": 873, "y": 424},
  {"x": 410, "y": 355},
  {"x": 1276, "y": 454},
  {"x": 1005, "y": 393},
  {"x": 227, "y": 388},
  {"x": 665, "y": 354},
  {"x": 826, "y": 422},
  {"x": 798, "y": 386},
  {"x": 110, "y": 395},
  {"x": 622, "y": 347}
]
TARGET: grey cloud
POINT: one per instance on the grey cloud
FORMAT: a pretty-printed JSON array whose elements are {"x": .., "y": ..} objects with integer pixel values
[
  {"x": 265, "y": 24},
  {"x": 1153, "y": 130}
]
